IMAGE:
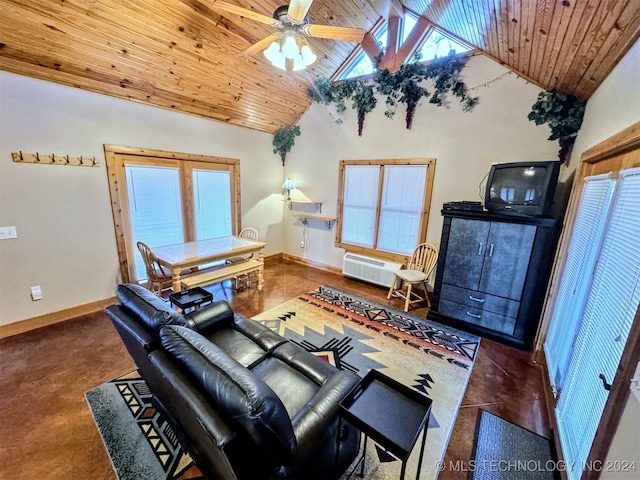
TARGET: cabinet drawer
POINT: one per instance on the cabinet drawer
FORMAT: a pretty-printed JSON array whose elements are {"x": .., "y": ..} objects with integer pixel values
[
  {"x": 466, "y": 313},
  {"x": 480, "y": 301}
]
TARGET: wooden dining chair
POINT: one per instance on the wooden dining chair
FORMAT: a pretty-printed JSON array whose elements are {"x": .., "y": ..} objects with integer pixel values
[
  {"x": 243, "y": 281},
  {"x": 417, "y": 272},
  {"x": 158, "y": 277}
]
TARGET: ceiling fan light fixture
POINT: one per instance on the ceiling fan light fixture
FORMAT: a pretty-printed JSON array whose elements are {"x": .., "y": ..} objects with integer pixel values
[
  {"x": 307, "y": 55},
  {"x": 290, "y": 48},
  {"x": 290, "y": 52}
]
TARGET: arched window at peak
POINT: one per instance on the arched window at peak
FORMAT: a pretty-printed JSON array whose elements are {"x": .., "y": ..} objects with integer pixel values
[
  {"x": 436, "y": 44},
  {"x": 362, "y": 64},
  {"x": 439, "y": 44}
]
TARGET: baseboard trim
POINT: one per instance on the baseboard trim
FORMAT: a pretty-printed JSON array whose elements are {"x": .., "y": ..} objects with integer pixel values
[
  {"x": 56, "y": 317},
  {"x": 311, "y": 263},
  {"x": 51, "y": 318}
]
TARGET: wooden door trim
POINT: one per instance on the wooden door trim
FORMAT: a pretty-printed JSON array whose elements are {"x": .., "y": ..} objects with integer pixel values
[{"x": 600, "y": 158}]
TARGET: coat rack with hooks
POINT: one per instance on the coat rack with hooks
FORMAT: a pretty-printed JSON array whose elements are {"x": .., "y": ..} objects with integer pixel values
[{"x": 54, "y": 159}]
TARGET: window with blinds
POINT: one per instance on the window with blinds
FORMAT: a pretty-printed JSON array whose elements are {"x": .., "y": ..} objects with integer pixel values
[
  {"x": 583, "y": 248},
  {"x": 384, "y": 205},
  {"x": 212, "y": 203},
  {"x": 155, "y": 210},
  {"x": 612, "y": 299}
]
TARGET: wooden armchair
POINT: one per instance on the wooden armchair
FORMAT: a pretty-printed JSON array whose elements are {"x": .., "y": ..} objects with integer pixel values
[
  {"x": 243, "y": 281},
  {"x": 158, "y": 277},
  {"x": 422, "y": 263}
]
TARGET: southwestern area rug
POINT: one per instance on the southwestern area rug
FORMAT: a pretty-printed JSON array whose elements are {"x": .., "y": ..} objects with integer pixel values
[{"x": 352, "y": 333}]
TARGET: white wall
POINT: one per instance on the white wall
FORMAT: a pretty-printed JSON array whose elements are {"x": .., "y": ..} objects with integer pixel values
[
  {"x": 464, "y": 145},
  {"x": 614, "y": 106},
  {"x": 66, "y": 241}
]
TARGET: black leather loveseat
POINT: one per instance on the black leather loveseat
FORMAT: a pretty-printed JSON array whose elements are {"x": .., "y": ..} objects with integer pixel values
[{"x": 244, "y": 401}]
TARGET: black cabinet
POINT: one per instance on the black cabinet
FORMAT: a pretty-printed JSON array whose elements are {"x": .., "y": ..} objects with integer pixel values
[{"x": 492, "y": 274}]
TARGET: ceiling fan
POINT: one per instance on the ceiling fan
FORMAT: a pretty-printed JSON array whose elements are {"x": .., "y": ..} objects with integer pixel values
[{"x": 288, "y": 48}]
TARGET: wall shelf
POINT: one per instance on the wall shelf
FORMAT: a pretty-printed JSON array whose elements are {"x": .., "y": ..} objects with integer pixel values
[
  {"x": 308, "y": 202},
  {"x": 305, "y": 217}
]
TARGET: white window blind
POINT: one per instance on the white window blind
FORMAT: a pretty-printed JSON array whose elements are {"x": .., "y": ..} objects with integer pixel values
[
  {"x": 609, "y": 313},
  {"x": 583, "y": 248},
  {"x": 154, "y": 208},
  {"x": 212, "y": 203},
  {"x": 401, "y": 208},
  {"x": 360, "y": 203}
]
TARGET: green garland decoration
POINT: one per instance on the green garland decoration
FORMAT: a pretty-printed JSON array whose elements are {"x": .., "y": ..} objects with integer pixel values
[
  {"x": 563, "y": 113},
  {"x": 403, "y": 86},
  {"x": 284, "y": 140}
]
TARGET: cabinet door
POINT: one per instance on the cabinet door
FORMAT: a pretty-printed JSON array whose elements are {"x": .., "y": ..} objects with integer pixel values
[
  {"x": 506, "y": 259},
  {"x": 465, "y": 252}
]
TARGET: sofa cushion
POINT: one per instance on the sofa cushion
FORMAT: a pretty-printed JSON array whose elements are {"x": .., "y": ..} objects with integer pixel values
[
  {"x": 214, "y": 316},
  {"x": 147, "y": 306},
  {"x": 235, "y": 391}
]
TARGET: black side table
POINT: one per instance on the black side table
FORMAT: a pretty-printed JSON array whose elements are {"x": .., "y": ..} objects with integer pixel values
[
  {"x": 391, "y": 413},
  {"x": 192, "y": 298}
]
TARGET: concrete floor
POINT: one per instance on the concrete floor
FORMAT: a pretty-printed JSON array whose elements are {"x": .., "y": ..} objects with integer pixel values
[{"x": 47, "y": 431}]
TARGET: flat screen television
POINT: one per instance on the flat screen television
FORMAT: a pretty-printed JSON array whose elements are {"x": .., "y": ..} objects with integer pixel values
[{"x": 521, "y": 188}]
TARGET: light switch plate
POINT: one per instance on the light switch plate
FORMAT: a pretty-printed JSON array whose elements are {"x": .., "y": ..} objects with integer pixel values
[
  {"x": 36, "y": 293},
  {"x": 8, "y": 232}
]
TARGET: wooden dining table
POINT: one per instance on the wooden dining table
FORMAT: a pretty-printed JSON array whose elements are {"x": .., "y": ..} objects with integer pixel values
[{"x": 189, "y": 255}]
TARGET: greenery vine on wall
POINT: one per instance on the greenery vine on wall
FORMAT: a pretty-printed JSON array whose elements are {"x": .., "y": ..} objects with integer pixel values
[
  {"x": 403, "y": 86},
  {"x": 284, "y": 140},
  {"x": 563, "y": 113}
]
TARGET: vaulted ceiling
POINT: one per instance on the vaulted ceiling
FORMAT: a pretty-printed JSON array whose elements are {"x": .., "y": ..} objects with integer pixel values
[{"x": 186, "y": 55}]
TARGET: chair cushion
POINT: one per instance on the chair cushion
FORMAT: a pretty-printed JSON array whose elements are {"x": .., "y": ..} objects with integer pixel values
[
  {"x": 147, "y": 306},
  {"x": 235, "y": 391},
  {"x": 411, "y": 275}
]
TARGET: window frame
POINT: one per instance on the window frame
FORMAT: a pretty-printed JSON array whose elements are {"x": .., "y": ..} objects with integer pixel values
[
  {"x": 426, "y": 205},
  {"x": 118, "y": 156}
]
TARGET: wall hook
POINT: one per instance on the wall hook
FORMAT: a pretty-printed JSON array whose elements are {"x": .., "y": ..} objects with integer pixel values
[{"x": 50, "y": 159}]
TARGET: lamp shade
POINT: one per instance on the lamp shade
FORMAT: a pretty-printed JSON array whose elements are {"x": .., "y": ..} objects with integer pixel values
[
  {"x": 290, "y": 51},
  {"x": 288, "y": 184}
]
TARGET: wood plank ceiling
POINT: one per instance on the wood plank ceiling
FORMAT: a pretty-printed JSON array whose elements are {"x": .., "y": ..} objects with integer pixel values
[{"x": 185, "y": 54}]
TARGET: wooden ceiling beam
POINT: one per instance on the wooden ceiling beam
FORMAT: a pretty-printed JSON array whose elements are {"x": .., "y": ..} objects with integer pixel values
[
  {"x": 422, "y": 28},
  {"x": 371, "y": 47}
]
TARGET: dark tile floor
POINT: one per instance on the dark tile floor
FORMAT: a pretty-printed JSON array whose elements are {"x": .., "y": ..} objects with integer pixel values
[{"x": 47, "y": 432}]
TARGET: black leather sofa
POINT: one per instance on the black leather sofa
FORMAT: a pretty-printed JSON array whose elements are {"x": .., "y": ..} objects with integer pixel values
[{"x": 243, "y": 401}]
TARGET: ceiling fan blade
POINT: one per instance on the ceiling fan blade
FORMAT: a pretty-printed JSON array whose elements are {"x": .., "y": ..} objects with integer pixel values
[
  {"x": 261, "y": 45},
  {"x": 347, "y": 34},
  {"x": 244, "y": 12},
  {"x": 298, "y": 10}
]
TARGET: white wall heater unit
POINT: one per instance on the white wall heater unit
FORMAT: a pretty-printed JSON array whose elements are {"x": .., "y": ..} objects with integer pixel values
[{"x": 369, "y": 269}]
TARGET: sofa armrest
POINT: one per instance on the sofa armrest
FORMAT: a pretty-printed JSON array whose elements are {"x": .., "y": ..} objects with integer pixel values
[
  {"x": 211, "y": 317},
  {"x": 315, "y": 418},
  {"x": 130, "y": 328}
]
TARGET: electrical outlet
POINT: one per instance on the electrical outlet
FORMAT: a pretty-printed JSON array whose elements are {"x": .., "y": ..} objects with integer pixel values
[
  {"x": 36, "y": 293},
  {"x": 301, "y": 244}
]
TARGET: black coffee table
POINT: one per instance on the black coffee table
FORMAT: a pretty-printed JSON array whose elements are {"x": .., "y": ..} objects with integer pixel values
[{"x": 391, "y": 413}]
